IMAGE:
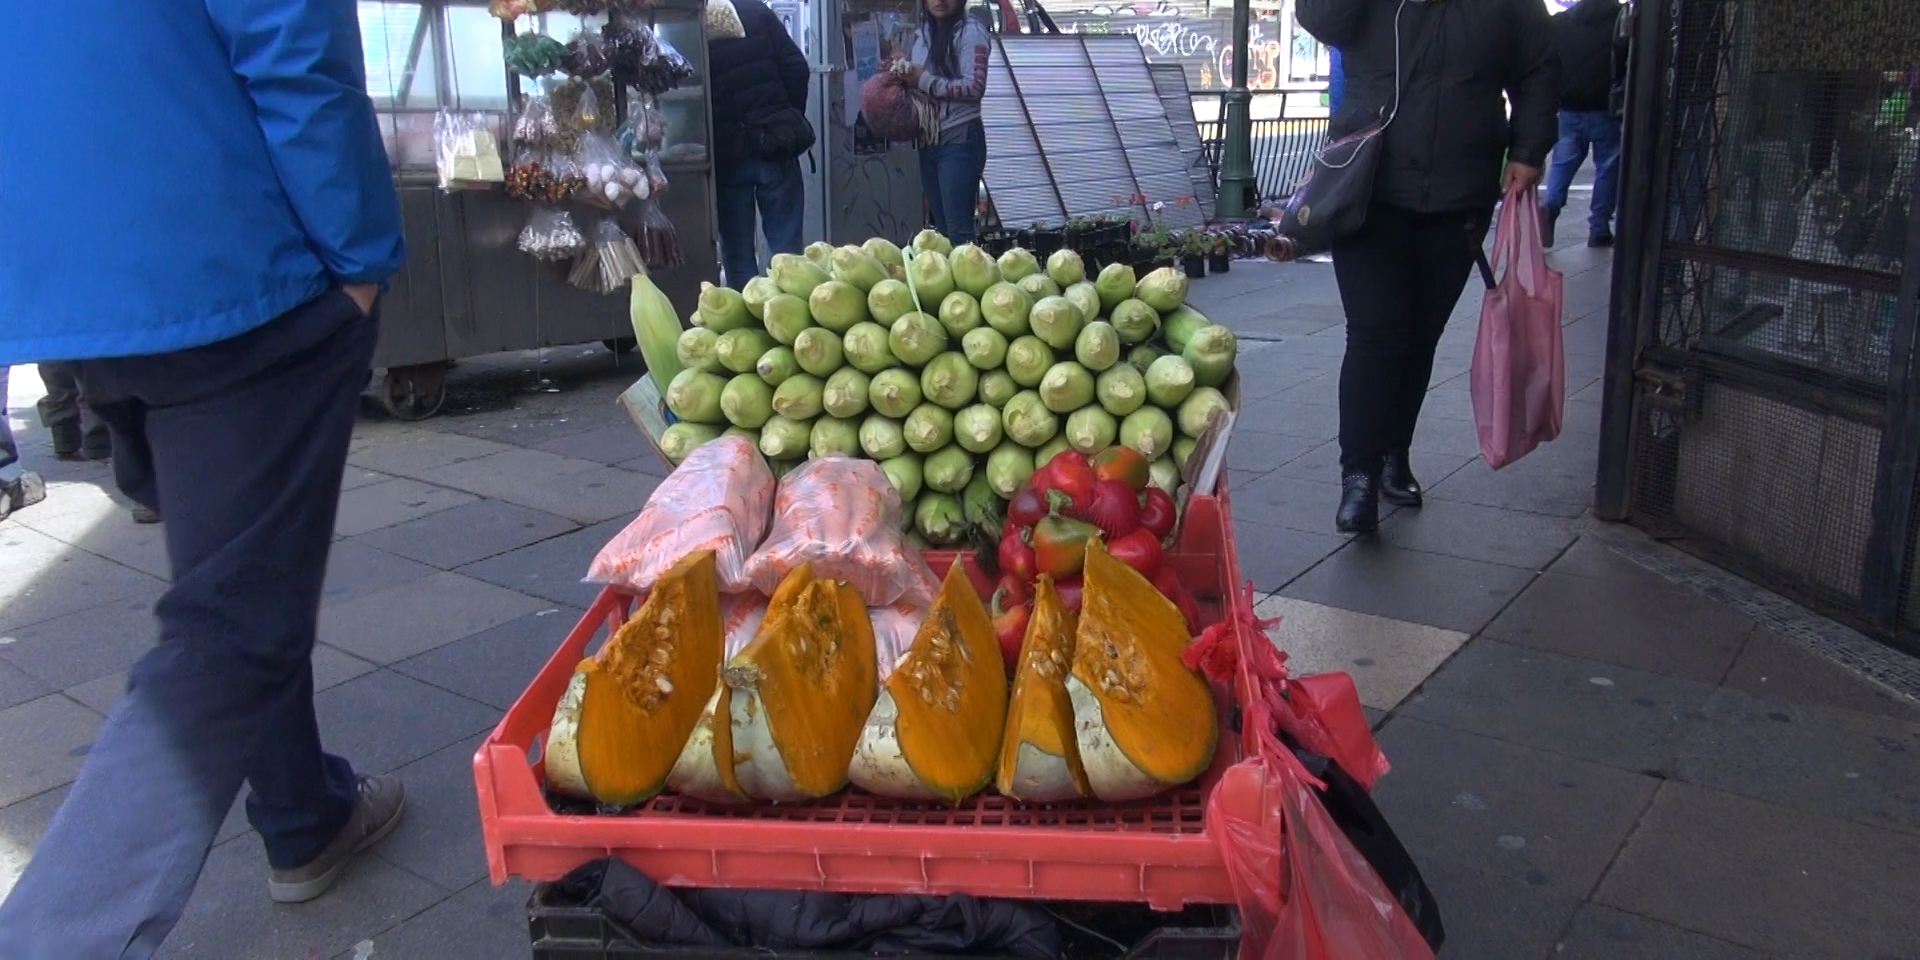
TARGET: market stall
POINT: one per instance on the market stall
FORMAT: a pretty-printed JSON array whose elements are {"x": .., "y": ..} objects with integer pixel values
[
  {"x": 943, "y": 585},
  {"x": 465, "y": 95}
]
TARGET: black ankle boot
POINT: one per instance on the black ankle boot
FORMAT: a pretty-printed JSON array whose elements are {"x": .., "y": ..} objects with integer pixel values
[
  {"x": 1397, "y": 485},
  {"x": 1359, "y": 503}
]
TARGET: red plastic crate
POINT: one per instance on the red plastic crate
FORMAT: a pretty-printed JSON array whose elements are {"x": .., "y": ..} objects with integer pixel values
[{"x": 1155, "y": 852}]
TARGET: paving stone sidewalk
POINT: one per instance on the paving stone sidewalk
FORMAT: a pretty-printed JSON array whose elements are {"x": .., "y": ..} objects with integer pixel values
[{"x": 1591, "y": 758}]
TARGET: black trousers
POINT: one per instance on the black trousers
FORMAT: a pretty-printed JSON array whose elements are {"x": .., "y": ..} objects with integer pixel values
[
  {"x": 64, "y": 411},
  {"x": 243, "y": 444},
  {"x": 1400, "y": 277}
]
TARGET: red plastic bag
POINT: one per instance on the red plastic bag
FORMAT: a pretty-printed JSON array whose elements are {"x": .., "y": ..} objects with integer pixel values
[
  {"x": 720, "y": 498},
  {"x": 1519, "y": 379}
]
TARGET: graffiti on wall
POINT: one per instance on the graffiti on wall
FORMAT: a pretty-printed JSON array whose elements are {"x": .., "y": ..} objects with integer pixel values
[{"x": 1278, "y": 51}]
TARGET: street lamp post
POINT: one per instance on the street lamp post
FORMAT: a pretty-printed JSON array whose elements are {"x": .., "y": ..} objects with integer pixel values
[{"x": 1237, "y": 187}]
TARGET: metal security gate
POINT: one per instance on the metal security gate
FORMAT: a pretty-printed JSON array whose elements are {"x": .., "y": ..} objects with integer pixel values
[{"x": 1762, "y": 406}]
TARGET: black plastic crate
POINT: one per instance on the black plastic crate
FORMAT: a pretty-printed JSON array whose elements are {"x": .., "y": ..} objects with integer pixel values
[{"x": 1088, "y": 932}]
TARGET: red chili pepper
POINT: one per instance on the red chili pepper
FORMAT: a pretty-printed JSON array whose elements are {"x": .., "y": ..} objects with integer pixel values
[
  {"x": 1066, "y": 482},
  {"x": 1016, "y": 557},
  {"x": 1114, "y": 508},
  {"x": 1060, "y": 546},
  {"x": 1139, "y": 550},
  {"x": 1157, "y": 512},
  {"x": 1071, "y": 593},
  {"x": 1124, "y": 464},
  {"x": 1010, "y": 628},
  {"x": 1026, "y": 509},
  {"x": 1170, "y": 587}
]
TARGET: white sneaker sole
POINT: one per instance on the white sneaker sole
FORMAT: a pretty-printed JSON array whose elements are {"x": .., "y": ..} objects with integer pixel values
[{"x": 305, "y": 890}]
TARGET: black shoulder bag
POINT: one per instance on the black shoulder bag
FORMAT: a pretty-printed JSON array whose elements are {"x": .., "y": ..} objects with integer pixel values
[
  {"x": 1330, "y": 199},
  {"x": 782, "y": 135}
]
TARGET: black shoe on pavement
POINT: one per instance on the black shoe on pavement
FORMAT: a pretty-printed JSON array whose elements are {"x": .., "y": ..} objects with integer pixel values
[
  {"x": 1548, "y": 217},
  {"x": 1600, "y": 240},
  {"x": 1397, "y": 485},
  {"x": 1359, "y": 503}
]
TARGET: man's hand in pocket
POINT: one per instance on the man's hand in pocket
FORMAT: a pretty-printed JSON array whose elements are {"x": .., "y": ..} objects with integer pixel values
[{"x": 363, "y": 296}]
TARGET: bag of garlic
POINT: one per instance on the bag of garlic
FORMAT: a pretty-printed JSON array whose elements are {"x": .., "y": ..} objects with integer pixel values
[{"x": 612, "y": 177}]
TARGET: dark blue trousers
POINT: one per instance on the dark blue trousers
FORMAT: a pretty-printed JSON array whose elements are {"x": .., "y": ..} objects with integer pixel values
[{"x": 241, "y": 446}]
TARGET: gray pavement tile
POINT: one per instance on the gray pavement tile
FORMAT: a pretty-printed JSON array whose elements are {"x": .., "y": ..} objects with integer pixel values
[
  {"x": 1471, "y": 532},
  {"x": 1445, "y": 592},
  {"x": 1322, "y": 465},
  {"x": 42, "y": 744},
  {"x": 1257, "y": 451},
  {"x": 101, "y": 694},
  {"x": 1557, "y": 484},
  {"x": 104, "y": 527},
  {"x": 1439, "y": 435},
  {"x": 417, "y": 451},
  {"x": 394, "y": 501},
  {"x": 22, "y": 824},
  {"x": 70, "y": 650},
  {"x": 355, "y": 570},
  {"x": 230, "y": 915},
  {"x": 1603, "y": 933},
  {"x": 494, "y": 666},
  {"x": 1591, "y": 711},
  {"x": 357, "y": 477},
  {"x": 586, "y": 496},
  {"x": 458, "y": 926},
  {"x": 1591, "y": 559},
  {"x": 1656, "y": 627},
  {"x": 1834, "y": 763},
  {"x": 540, "y": 418},
  {"x": 612, "y": 444},
  {"x": 1386, "y": 658},
  {"x": 1777, "y": 668},
  {"x": 647, "y": 463},
  {"x": 506, "y": 471},
  {"x": 1308, "y": 420},
  {"x": 551, "y": 569},
  {"x": 384, "y": 721},
  {"x": 467, "y": 533},
  {"x": 1452, "y": 401},
  {"x": 1273, "y": 556},
  {"x": 440, "y": 837},
  {"x": 44, "y": 578},
  {"x": 1510, "y": 840},
  {"x": 1237, "y": 479},
  {"x": 330, "y": 669},
  {"x": 1769, "y": 878},
  {"x": 17, "y": 687},
  {"x": 1288, "y": 502},
  {"x": 403, "y": 621}
]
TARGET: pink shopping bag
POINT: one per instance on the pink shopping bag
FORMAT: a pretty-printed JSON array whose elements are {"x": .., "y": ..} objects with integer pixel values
[{"x": 1519, "y": 375}]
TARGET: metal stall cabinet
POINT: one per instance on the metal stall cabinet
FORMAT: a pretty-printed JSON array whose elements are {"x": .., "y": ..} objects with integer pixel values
[
  {"x": 1761, "y": 400},
  {"x": 466, "y": 289},
  {"x": 858, "y": 186}
]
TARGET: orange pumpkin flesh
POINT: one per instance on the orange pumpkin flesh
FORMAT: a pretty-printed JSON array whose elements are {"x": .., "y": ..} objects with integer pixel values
[
  {"x": 935, "y": 731},
  {"x": 801, "y": 691},
  {"x": 704, "y": 770},
  {"x": 1143, "y": 721},
  {"x": 629, "y": 710},
  {"x": 1039, "y": 759}
]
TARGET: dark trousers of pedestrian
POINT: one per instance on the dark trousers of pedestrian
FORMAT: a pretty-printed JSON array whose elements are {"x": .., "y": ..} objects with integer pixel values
[
  {"x": 1581, "y": 132},
  {"x": 1400, "y": 276},
  {"x": 76, "y": 430},
  {"x": 775, "y": 193},
  {"x": 950, "y": 176},
  {"x": 243, "y": 443}
]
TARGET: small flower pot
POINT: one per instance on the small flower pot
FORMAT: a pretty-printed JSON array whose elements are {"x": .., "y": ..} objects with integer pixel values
[
  {"x": 1219, "y": 262},
  {"x": 1165, "y": 263},
  {"x": 1196, "y": 267}
]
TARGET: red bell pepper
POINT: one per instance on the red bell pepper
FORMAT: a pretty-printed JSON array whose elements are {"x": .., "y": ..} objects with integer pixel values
[
  {"x": 1157, "y": 512},
  {"x": 1010, "y": 628},
  {"x": 1066, "y": 482},
  {"x": 1060, "y": 546},
  {"x": 1071, "y": 593},
  {"x": 1016, "y": 557},
  {"x": 1124, "y": 464},
  {"x": 1016, "y": 590},
  {"x": 1114, "y": 508},
  {"x": 1139, "y": 550},
  {"x": 1026, "y": 509}
]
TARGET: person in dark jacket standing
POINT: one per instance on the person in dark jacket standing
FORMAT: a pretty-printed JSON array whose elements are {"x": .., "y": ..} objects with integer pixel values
[
  {"x": 759, "y": 130},
  {"x": 1587, "y": 62},
  {"x": 1441, "y": 72}
]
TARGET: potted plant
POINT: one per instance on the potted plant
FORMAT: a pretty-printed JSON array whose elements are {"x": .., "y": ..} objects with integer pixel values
[
  {"x": 1193, "y": 247},
  {"x": 1219, "y": 251},
  {"x": 1150, "y": 249},
  {"x": 1044, "y": 240}
]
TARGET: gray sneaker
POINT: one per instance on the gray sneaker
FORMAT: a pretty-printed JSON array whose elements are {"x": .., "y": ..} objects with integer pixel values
[
  {"x": 22, "y": 491},
  {"x": 145, "y": 514},
  {"x": 374, "y": 816}
]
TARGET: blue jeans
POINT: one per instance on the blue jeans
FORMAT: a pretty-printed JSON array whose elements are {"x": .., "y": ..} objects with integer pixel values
[
  {"x": 774, "y": 190},
  {"x": 244, "y": 442},
  {"x": 950, "y": 175},
  {"x": 1599, "y": 130}
]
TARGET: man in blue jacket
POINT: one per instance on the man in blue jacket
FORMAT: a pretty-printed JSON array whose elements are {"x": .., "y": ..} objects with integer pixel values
[{"x": 218, "y": 164}]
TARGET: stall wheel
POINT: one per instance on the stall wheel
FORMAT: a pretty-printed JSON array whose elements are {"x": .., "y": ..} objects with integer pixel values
[
  {"x": 414, "y": 393},
  {"x": 620, "y": 344}
]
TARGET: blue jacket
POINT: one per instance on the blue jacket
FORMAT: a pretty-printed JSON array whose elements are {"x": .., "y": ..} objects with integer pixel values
[
  {"x": 1336, "y": 81},
  {"x": 177, "y": 172}
]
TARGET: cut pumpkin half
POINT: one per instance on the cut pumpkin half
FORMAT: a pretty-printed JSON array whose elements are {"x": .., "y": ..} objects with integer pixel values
[{"x": 1039, "y": 758}]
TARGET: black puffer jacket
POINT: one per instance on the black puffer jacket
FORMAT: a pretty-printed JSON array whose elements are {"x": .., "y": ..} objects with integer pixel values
[
  {"x": 753, "y": 77},
  {"x": 1583, "y": 49},
  {"x": 1444, "y": 148}
]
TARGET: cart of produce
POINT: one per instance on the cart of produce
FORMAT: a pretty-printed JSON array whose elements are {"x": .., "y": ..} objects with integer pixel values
[
  {"x": 896, "y": 631},
  {"x": 544, "y": 153}
]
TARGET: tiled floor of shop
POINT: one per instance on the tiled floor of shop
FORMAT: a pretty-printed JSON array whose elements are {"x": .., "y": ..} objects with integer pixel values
[{"x": 1590, "y": 759}]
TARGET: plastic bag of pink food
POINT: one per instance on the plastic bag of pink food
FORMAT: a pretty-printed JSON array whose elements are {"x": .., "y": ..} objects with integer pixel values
[
  {"x": 842, "y": 515},
  {"x": 720, "y": 498},
  {"x": 894, "y": 628}
]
